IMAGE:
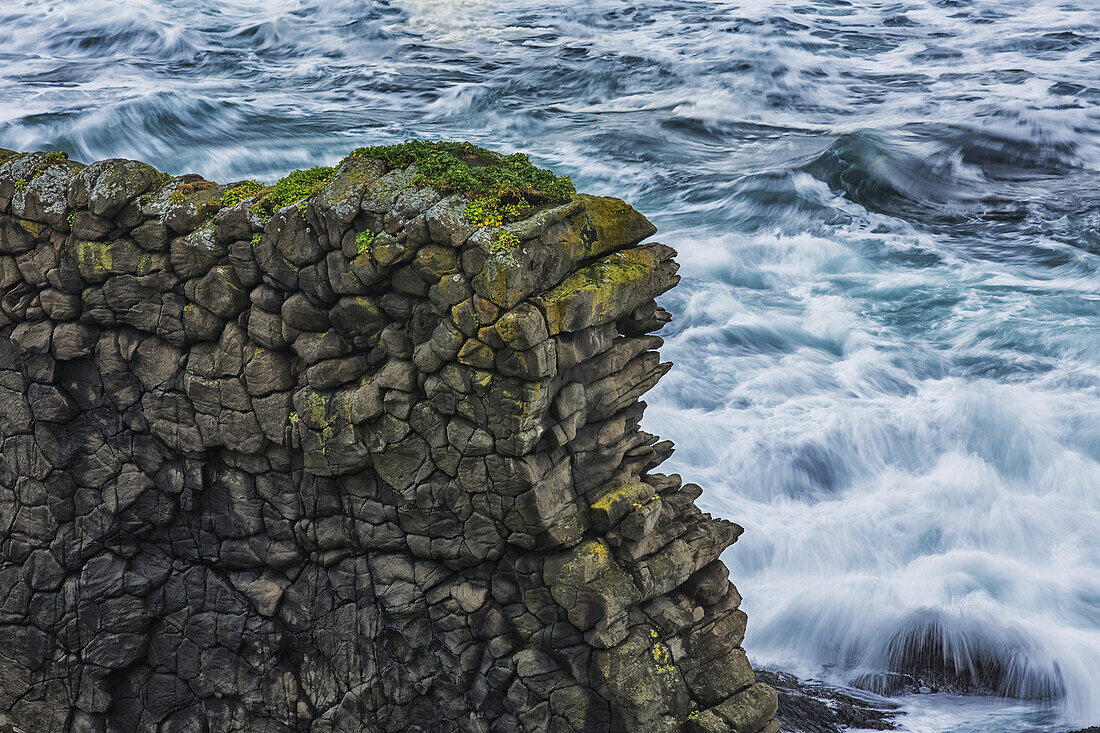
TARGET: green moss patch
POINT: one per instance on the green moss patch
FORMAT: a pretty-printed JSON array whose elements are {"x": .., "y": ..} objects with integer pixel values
[
  {"x": 240, "y": 192},
  {"x": 296, "y": 186},
  {"x": 500, "y": 187},
  {"x": 601, "y": 292},
  {"x": 608, "y": 275}
]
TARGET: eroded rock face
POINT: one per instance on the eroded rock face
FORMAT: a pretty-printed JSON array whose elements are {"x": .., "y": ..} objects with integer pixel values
[{"x": 281, "y": 476}]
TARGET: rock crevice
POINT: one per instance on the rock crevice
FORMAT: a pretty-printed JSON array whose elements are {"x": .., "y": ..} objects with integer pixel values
[{"x": 349, "y": 464}]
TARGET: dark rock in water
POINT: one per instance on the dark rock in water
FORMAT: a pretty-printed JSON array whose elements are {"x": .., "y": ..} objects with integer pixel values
[
  {"x": 891, "y": 684},
  {"x": 808, "y": 707},
  {"x": 346, "y": 460},
  {"x": 931, "y": 654}
]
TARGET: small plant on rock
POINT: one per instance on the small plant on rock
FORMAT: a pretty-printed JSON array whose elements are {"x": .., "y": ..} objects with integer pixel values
[
  {"x": 505, "y": 240},
  {"x": 363, "y": 241}
]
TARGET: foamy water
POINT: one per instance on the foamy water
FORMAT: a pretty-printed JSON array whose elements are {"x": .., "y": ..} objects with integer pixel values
[{"x": 887, "y": 339}]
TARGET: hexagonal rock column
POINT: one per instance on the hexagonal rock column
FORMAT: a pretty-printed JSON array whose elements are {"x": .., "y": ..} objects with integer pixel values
[{"x": 281, "y": 475}]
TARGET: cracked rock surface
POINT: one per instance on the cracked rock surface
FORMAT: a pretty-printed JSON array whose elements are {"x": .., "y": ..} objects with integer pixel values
[{"x": 267, "y": 475}]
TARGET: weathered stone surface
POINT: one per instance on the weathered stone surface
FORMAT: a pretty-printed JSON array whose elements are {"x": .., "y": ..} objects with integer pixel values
[
  {"x": 106, "y": 187},
  {"x": 271, "y": 475},
  {"x": 190, "y": 204},
  {"x": 609, "y": 289},
  {"x": 219, "y": 291}
]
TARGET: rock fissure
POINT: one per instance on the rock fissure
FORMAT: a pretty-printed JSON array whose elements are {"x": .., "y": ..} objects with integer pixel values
[{"x": 347, "y": 462}]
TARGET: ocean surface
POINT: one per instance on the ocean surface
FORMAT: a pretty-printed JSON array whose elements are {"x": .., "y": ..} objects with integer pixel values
[{"x": 887, "y": 338}]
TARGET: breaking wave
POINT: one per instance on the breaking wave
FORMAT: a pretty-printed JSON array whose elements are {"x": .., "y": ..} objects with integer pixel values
[{"x": 886, "y": 341}]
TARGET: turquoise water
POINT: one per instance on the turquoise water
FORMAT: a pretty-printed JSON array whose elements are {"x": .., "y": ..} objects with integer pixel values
[{"x": 887, "y": 339}]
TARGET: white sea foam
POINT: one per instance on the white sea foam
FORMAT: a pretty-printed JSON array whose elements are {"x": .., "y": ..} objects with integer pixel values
[{"x": 887, "y": 339}]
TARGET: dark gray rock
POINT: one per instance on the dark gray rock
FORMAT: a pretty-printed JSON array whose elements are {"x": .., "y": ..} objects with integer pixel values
[
  {"x": 808, "y": 707},
  {"x": 316, "y": 481},
  {"x": 87, "y": 225},
  {"x": 50, "y": 404},
  {"x": 219, "y": 291},
  {"x": 299, "y": 313}
]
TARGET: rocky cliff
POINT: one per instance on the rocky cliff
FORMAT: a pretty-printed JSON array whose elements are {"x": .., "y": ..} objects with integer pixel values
[{"x": 356, "y": 452}]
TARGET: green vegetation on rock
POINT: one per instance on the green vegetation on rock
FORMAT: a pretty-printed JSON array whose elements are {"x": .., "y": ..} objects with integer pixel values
[
  {"x": 297, "y": 186},
  {"x": 608, "y": 275},
  {"x": 603, "y": 291},
  {"x": 239, "y": 193},
  {"x": 504, "y": 240},
  {"x": 363, "y": 241},
  {"x": 500, "y": 187}
]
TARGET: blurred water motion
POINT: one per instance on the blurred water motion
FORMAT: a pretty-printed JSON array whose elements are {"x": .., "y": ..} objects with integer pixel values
[{"x": 887, "y": 340}]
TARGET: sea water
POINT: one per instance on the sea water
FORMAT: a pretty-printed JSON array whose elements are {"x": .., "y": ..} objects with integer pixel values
[{"x": 887, "y": 336}]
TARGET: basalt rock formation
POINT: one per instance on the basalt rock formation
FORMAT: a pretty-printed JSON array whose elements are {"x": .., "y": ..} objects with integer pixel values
[{"x": 350, "y": 464}]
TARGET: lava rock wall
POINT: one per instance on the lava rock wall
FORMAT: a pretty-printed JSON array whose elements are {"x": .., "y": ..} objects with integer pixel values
[{"x": 362, "y": 466}]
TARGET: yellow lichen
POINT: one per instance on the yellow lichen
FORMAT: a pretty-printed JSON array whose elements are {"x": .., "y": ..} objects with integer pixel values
[
  {"x": 228, "y": 276},
  {"x": 94, "y": 257},
  {"x": 624, "y": 493},
  {"x": 598, "y": 291},
  {"x": 662, "y": 657},
  {"x": 588, "y": 560},
  {"x": 606, "y": 276},
  {"x": 480, "y": 378},
  {"x": 318, "y": 409}
]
